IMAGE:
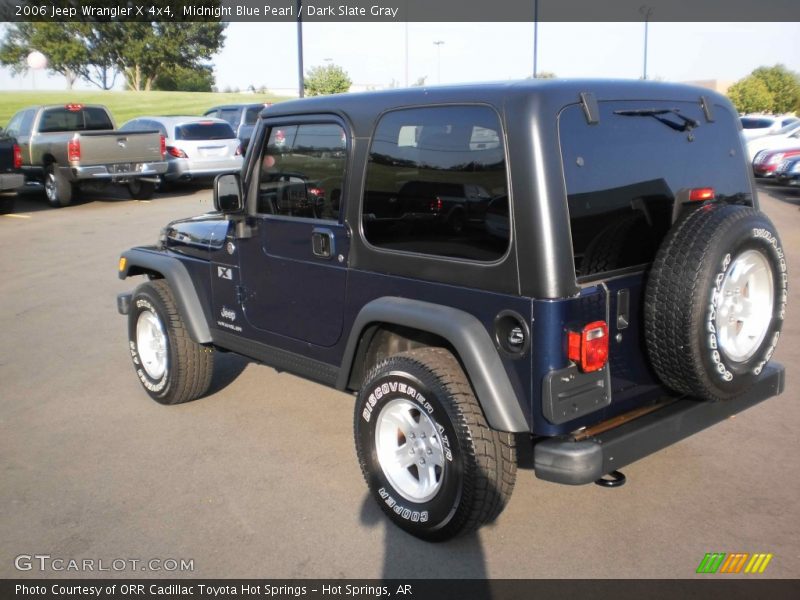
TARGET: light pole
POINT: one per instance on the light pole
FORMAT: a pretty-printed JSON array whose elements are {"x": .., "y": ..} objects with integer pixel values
[
  {"x": 438, "y": 44},
  {"x": 647, "y": 12},
  {"x": 300, "y": 77},
  {"x": 535, "y": 35}
]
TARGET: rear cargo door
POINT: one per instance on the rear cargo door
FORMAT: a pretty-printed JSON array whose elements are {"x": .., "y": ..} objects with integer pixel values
[{"x": 626, "y": 177}]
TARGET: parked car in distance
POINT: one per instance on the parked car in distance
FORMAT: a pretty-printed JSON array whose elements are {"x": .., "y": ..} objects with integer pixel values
[
  {"x": 11, "y": 178},
  {"x": 754, "y": 126},
  {"x": 196, "y": 147},
  {"x": 785, "y": 137},
  {"x": 766, "y": 162},
  {"x": 68, "y": 145},
  {"x": 788, "y": 172},
  {"x": 242, "y": 117}
]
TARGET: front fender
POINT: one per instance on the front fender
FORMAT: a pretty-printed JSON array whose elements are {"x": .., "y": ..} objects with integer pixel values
[
  {"x": 139, "y": 261},
  {"x": 468, "y": 337}
]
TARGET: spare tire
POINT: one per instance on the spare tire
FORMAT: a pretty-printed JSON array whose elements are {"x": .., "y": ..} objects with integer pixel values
[{"x": 715, "y": 301}]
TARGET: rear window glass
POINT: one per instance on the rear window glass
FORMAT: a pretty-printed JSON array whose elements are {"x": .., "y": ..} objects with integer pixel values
[
  {"x": 624, "y": 174},
  {"x": 251, "y": 116},
  {"x": 82, "y": 119},
  {"x": 432, "y": 175},
  {"x": 204, "y": 131},
  {"x": 756, "y": 123}
]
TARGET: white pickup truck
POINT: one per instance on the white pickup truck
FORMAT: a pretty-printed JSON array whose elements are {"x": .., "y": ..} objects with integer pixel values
[{"x": 65, "y": 146}]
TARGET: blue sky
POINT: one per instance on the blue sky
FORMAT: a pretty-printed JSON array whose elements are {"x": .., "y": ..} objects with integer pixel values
[{"x": 264, "y": 54}]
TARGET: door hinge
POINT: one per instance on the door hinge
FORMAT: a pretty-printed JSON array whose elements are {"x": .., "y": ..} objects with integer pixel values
[{"x": 241, "y": 294}]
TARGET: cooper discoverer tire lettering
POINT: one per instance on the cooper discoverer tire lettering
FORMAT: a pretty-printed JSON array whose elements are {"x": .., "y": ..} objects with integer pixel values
[
  {"x": 715, "y": 301},
  {"x": 170, "y": 366},
  {"x": 430, "y": 460}
]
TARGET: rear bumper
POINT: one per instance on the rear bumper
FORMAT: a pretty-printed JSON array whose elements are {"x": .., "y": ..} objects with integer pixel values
[
  {"x": 123, "y": 172},
  {"x": 183, "y": 169},
  {"x": 580, "y": 462},
  {"x": 11, "y": 181}
]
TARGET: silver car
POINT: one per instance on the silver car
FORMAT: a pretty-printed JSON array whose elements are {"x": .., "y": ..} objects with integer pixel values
[{"x": 197, "y": 147}]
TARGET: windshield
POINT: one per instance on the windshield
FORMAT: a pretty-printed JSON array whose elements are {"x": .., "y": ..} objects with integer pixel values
[
  {"x": 787, "y": 129},
  {"x": 756, "y": 122}
]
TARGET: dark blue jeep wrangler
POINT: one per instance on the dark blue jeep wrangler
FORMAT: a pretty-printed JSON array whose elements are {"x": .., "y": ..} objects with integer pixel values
[{"x": 580, "y": 267}]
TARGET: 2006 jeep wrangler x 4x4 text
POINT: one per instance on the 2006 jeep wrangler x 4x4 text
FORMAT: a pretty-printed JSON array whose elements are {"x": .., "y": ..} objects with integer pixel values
[{"x": 576, "y": 265}]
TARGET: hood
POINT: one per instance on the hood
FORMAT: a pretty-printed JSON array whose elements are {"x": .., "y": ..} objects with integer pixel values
[{"x": 195, "y": 236}]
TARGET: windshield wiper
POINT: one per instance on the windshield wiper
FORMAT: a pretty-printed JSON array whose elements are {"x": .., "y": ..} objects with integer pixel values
[{"x": 687, "y": 124}]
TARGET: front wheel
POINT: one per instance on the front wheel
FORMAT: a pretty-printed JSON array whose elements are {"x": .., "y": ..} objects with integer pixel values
[
  {"x": 171, "y": 367},
  {"x": 429, "y": 458}
]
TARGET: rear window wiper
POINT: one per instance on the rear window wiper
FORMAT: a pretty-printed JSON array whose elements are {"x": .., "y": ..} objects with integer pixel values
[{"x": 687, "y": 124}]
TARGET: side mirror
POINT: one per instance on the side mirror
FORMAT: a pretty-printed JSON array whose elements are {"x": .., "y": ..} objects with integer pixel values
[{"x": 228, "y": 193}]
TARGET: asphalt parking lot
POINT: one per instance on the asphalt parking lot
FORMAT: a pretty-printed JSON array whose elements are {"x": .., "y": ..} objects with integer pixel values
[{"x": 259, "y": 478}]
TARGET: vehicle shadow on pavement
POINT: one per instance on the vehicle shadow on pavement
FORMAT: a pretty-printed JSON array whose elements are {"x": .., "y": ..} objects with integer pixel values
[
  {"x": 406, "y": 557},
  {"x": 227, "y": 367}
]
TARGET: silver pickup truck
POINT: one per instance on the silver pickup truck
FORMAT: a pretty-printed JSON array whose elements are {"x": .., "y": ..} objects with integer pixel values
[{"x": 66, "y": 146}]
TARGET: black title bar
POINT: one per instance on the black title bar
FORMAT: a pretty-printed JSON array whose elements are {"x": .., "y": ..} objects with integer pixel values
[{"x": 401, "y": 10}]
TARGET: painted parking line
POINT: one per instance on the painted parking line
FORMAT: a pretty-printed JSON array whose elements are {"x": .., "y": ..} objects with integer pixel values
[{"x": 17, "y": 216}]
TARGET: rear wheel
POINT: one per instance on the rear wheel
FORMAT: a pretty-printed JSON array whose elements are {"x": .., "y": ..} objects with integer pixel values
[
  {"x": 715, "y": 301},
  {"x": 141, "y": 190},
  {"x": 56, "y": 187},
  {"x": 429, "y": 458}
]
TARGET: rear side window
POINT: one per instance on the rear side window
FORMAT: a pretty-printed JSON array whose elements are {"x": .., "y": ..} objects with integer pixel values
[
  {"x": 251, "y": 115},
  {"x": 432, "y": 175},
  {"x": 231, "y": 115},
  {"x": 204, "y": 131},
  {"x": 302, "y": 171},
  {"x": 74, "y": 119},
  {"x": 624, "y": 174}
]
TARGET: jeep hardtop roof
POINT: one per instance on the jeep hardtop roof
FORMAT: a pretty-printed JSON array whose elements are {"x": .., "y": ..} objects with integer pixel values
[{"x": 546, "y": 97}]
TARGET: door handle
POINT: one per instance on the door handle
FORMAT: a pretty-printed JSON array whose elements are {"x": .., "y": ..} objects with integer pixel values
[{"x": 322, "y": 242}]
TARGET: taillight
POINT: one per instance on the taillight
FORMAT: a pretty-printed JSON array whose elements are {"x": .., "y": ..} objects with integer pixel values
[
  {"x": 588, "y": 348},
  {"x": 238, "y": 150},
  {"x": 701, "y": 194},
  {"x": 176, "y": 152},
  {"x": 163, "y": 146},
  {"x": 315, "y": 191},
  {"x": 17, "y": 157},
  {"x": 435, "y": 205},
  {"x": 74, "y": 150}
]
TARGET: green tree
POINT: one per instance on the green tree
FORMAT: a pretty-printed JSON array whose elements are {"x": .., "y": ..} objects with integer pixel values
[
  {"x": 146, "y": 50},
  {"x": 60, "y": 42},
  {"x": 181, "y": 79},
  {"x": 330, "y": 79},
  {"x": 95, "y": 51},
  {"x": 751, "y": 95},
  {"x": 783, "y": 84}
]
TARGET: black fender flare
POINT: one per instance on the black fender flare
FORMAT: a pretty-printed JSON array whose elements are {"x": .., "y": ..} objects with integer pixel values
[
  {"x": 468, "y": 337},
  {"x": 144, "y": 260}
]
